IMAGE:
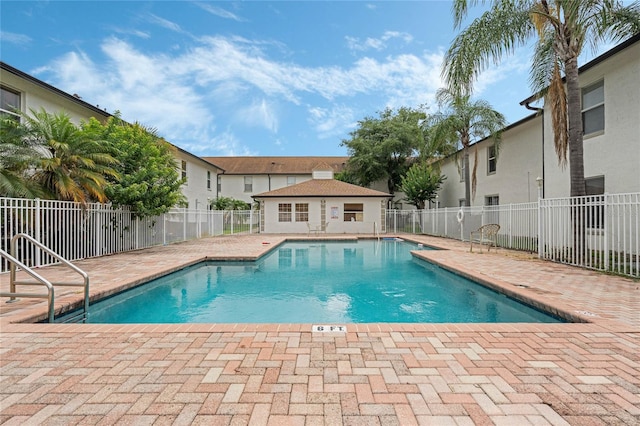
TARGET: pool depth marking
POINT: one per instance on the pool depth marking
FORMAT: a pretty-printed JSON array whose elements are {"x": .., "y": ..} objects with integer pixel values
[{"x": 329, "y": 329}]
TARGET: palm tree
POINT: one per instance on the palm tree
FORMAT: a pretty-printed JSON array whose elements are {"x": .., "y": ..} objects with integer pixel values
[
  {"x": 466, "y": 121},
  {"x": 562, "y": 27},
  {"x": 72, "y": 166},
  {"x": 16, "y": 157}
]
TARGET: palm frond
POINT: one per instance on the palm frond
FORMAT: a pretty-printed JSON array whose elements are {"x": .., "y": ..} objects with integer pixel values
[
  {"x": 487, "y": 40},
  {"x": 557, "y": 100}
]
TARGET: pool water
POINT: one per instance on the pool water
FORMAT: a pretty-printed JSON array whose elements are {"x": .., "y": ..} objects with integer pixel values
[{"x": 315, "y": 282}]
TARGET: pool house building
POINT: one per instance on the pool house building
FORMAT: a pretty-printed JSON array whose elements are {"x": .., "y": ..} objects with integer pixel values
[{"x": 322, "y": 205}]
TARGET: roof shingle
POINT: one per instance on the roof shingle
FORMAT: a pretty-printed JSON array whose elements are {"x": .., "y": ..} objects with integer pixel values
[
  {"x": 275, "y": 165},
  {"x": 323, "y": 188}
]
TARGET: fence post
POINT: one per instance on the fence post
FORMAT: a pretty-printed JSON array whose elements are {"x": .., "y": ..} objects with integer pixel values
[
  {"x": 395, "y": 221},
  {"x": 198, "y": 229},
  {"x": 37, "y": 232},
  {"x": 510, "y": 226},
  {"x": 184, "y": 225},
  {"x": 413, "y": 221},
  {"x": 164, "y": 229},
  {"x": 231, "y": 222},
  {"x": 446, "y": 221},
  {"x": 605, "y": 230},
  {"x": 250, "y": 221},
  {"x": 540, "y": 231}
]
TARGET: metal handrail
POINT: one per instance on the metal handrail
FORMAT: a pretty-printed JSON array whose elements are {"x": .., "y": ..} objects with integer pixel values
[
  {"x": 50, "y": 292},
  {"x": 12, "y": 271}
]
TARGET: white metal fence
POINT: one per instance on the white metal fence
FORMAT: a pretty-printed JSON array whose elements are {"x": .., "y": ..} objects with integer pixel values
[
  {"x": 599, "y": 232},
  {"x": 99, "y": 229}
]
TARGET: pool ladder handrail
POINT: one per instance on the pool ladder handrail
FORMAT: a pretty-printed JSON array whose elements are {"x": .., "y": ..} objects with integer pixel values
[
  {"x": 375, "y": 230},
  {"x": 15, "y": 262},
  {"x": 12, "y": 294}
]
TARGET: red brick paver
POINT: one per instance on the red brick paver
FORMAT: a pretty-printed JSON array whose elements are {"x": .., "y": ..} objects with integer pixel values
[{"x": 279, "y": 374}]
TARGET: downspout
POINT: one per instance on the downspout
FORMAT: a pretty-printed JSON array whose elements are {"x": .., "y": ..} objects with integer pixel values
[{"x": 541, "y": 111}]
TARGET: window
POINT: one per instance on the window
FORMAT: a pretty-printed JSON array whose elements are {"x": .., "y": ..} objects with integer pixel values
[
  {"x": 462, "y": 170},
  {"x": 184, "y": 169},
  {"x": 219, "y": 183},
  {"x": 353, "y": 212},
  {"x": 492, "y": 214},
  {"x": 9, "y": 103},
  {"x": 291, "y": 180},
  {"x": 491, "y": 200},
  {"x": 595, "y": 212},
  {"x": 248, "y": 184},
  {"x": 593, "y": 109},
  {"x": 208, "y": 180},
  {"x": 491, "y": 159},
  {"x": 302, "y": 212},
  {"x": 284, "y": 212}
]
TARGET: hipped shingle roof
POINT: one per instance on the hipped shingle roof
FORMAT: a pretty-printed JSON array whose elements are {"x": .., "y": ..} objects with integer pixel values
[
  {"x": 275, "y": 165},
  {"x": 323, "y": 188}
]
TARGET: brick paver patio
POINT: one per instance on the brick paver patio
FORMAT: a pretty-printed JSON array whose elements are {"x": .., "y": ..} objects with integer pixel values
[{"x": 279, "y": 374}]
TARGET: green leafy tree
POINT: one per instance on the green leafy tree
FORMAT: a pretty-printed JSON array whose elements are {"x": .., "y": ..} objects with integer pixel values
[
  {"x": 148, "y": 179},
  {"x": 421, "y": 184},
  {"x": 382, "y": 148},
  {"x": 562, "y": 27},
  {"x": 71, "y": 167},
  {"x": 229, "y": 203},
  {"x": 466, "y": 121},
  {"x": 17, "y": 157}
]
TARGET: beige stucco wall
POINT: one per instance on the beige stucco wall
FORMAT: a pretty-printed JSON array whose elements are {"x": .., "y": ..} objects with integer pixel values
[
  {"x": 233, "y": 185},
  {"x": 519, "y": 164},
  {"x": 372, "y": 213},
  {"x": 195, "y": 190},
  {"x": 614, "y": 154},
  {"x": 35, "y": 97}
]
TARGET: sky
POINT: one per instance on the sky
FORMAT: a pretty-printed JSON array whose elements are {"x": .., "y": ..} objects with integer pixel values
[{"x": 260, "y": 78}]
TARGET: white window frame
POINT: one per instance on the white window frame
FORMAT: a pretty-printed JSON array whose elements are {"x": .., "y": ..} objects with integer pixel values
[
  {"x": 302, "y": 212},
  {"x": 492, "y": 159},
  {"x": 589, "y": 108},
  {"x": 488, "y": 200},
  {"x": 353, "y": 215},
  {"x": 595, "y": 214},
  {"x": 284, "y": 212},
  {"x": 183, "y": 170},
  {"x": 248, "y": 184},
  {"x": 12, "y": 113}
]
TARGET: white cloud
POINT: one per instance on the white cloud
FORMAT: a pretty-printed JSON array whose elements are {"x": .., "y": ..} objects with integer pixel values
[
  {"x": 518, "y": 63},
  {"x": 332, "y": 122},
  {"x": 227, "y": 144},
  {"x": 380, "y": 43},
  {"x": 15, "y": 38},
  {"x": 136, "y": 33},
  {"x": 218, "y": 11},
  {"x": 181, "y": 92},
  {"x": 259, "y": 113},
  {"x": 155, "y": 19}
]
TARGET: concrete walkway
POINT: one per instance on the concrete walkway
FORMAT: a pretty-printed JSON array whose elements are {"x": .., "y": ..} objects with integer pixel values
[{"x": 584, "y": 373}]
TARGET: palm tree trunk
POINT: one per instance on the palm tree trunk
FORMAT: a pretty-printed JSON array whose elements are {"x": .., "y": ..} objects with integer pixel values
[
  {"x": 574, "y": 112},
  {"x": 467, "y": 179},
  {"x": 576, "y": 156}
]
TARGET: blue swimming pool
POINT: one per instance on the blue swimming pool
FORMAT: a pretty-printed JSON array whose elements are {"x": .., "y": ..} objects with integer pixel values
[{"x": 315, "y": 282}]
